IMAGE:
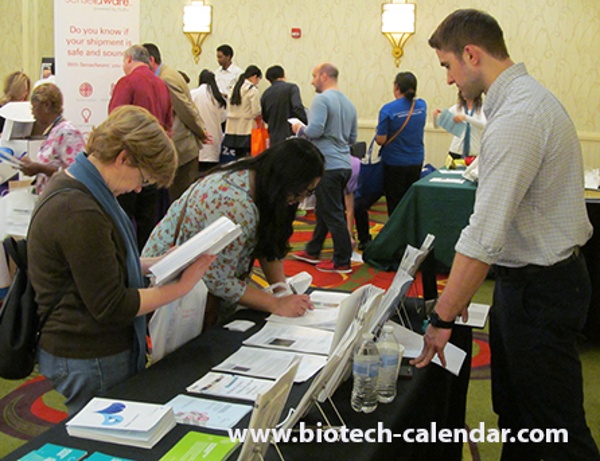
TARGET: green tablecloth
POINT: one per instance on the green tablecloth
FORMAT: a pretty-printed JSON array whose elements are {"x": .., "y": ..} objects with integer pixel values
[{"x": 438, "y": 208}]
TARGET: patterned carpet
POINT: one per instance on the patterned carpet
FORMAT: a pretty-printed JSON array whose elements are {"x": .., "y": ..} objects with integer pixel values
[{"x": 29, "y": 407}]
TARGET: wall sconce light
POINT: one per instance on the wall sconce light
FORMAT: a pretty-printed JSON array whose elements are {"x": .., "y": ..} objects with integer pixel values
[
  {"x": 398, "y": 24},
  {"x": 197, "y": 23}
]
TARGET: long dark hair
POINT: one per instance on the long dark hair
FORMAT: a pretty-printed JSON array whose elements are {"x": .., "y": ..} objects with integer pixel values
[
  {"x": 207, "y": 77},
  {"x": 477, "y": 102},
  {"x": 285, "y": 170},
  {"x": 251, "y": 71},
  {"x": 407, "y": 84}
]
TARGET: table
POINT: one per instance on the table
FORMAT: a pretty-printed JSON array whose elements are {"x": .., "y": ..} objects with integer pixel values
[
  {"x": 429, "y": 207},
  {"x": 432, "y": 395},
  {"x": 443, "y": 209}
]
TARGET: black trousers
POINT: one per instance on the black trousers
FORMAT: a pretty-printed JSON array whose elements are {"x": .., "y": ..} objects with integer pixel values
[
  {"x": 396, "y": 181},
  {"x": 536, "y": 373},
  {"x": 331, "y": 217}
]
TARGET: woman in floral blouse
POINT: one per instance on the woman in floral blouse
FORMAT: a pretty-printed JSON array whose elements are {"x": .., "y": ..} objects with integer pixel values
[
  {"x": 63, "y": 141},
  {"x": 261, "y": 194}
]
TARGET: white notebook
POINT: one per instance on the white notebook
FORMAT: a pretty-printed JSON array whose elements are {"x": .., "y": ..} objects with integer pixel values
[{"x": 210, "y": 240}]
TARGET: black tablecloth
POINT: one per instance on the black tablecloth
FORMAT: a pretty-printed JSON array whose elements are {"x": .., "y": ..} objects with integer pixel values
[{"x": 432, "y": 395}]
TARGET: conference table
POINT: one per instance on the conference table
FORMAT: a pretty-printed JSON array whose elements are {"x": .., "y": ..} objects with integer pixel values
[
  {"x": 439, "y": 204},
  {"x": 431, "y": 396}
]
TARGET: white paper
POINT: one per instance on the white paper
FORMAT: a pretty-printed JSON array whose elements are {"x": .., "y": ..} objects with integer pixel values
[
  {"x": 323, "y": 319},
  {"x": 231, "y": 386},
  {"x": 413, "y": 345},
  {"x": 294, "y": 120},
  {"x": 210, "y": 240},
  {"x": 266, "y": 363},
  {"x": 292, "y": 338},
  {"x": 443, "y": 171},
  {"x": 18, "y": 207},
  {"x": 448, "y": 180},
  {"x": 239, "y": 325},
  {"x": 327, "y": 299},
  {"x": 212, "y": 414},
  {"x": 478, "y": 314}
]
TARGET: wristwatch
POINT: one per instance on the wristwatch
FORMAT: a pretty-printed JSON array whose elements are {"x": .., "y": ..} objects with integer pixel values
[{"x": 436, "y": 321}]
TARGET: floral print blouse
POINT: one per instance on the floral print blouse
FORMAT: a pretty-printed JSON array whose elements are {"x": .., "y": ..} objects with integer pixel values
[
  {"x": 219, "y": 194},
  {"x": 63, "y": 143}
]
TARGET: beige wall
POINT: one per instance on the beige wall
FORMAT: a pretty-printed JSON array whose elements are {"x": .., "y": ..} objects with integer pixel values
[{"x": 558, "y": 40}]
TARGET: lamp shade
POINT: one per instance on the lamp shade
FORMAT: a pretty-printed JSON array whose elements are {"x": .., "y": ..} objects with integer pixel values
[
  {"x": 398, "y": 18},
  {"x": 197, "y": 17}
]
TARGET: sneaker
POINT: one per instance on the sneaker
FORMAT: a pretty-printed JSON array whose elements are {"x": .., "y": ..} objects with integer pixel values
[
  {"x": 304, "y": 256},
  {"x": 329, "y": 266}
]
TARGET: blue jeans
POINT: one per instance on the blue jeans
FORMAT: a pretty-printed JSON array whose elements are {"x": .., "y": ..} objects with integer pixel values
[
  {"x": 331, "y": 217},
  {"x": 536, "y": 372},
  {"x": 81, "y": 379}
]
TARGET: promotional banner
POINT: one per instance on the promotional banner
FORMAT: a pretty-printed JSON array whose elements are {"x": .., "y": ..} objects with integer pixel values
[{"x": 89, "y": 39}]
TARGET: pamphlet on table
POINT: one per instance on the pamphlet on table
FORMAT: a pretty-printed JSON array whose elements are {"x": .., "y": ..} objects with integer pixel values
[
  {"x": 270, "y": 364},
  {"x": 292, "y": 338},
  {"x": 230, "y": 386},
  {"x": 199, "y": 446},
  {"x": 212, "y": 414},
  {"x": 124, "y": 422},
  {"x": 51, "y": 452}
]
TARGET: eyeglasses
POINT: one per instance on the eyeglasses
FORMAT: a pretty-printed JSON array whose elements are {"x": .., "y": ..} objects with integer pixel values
[{"x": 145, "y": 182}]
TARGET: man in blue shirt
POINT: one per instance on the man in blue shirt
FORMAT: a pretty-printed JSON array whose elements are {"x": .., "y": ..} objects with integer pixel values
[{"x": 332, "y": 127}]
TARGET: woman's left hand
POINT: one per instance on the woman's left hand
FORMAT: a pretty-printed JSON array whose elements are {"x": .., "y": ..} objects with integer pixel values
[{"x": 293, "y": 305}]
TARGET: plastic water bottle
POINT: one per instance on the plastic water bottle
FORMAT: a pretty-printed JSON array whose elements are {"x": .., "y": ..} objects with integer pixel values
[
  {"x": 389, "y": 350},
  {"x": 365, "y": 371}
]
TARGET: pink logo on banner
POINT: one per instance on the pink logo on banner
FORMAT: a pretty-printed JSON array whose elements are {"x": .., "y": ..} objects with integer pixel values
[
  {"x": 86, "y": 89},
  {"x": 86, "y": 114}
]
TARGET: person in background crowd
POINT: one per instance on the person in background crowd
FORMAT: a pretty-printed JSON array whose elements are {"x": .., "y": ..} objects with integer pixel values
[
  {"x": 62, "y": 139},
  {"x": 213, "y": 109},
  {"x": 529, "y": 221},
  {"x": 140, "y": 87},
  {"x": 332, "y": 127},
  {"x": 189, "y": 133},
  {"x": 471, "y": 113},
  {"x": 243, "y": 109},
  {"x": 83, "y": 259},
  {"x": 400, "y": 132},
  {"x": 280, "y": 102},
  {"x": 17, "y": 87},
  {"x": 261, "y": 194},
  {"x": 227, "y": 74}
]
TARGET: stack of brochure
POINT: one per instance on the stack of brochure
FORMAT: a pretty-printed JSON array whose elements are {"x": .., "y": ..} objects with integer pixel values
[
  {"x": 123, "y": 422},
  {"x": 211, "y": 240}
]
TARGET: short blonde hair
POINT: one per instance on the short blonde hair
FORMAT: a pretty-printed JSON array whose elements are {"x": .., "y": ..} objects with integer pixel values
[
  {"x": 48, "y": 93},
  {"x": 136, "y": 131},
  {"x": 14, "y": 85}
]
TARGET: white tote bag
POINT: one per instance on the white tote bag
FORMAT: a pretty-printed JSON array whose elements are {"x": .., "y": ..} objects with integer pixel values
[{"x": 174, "y": 324}]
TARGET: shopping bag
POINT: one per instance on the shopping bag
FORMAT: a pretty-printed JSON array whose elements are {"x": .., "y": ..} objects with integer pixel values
[
  {"x": 370, "y": 179},
  {"x": 259, "y": 139},
  {"x": 178, "y": 322}
]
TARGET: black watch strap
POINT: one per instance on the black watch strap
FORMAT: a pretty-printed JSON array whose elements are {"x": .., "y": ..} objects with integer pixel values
[{"x": 437, "y": 322}]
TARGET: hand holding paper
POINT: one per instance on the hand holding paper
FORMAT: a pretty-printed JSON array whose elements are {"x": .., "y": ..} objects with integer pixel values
[{"x": 446, "y": 121}]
